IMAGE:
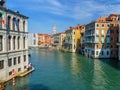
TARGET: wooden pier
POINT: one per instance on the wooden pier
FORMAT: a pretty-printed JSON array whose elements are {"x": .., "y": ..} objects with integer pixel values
[
  {"x": 2, "y": 86},
  {"x": 25, "y": 73}
]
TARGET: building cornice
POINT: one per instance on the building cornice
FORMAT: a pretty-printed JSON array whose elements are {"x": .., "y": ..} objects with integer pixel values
[
  {"x": 13, "y": 31},
  {"x": 13, "y": 12},
  {"x": 15, "y": 51}
]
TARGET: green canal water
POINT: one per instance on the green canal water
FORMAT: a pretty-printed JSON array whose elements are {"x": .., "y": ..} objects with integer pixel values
[{"x": 55, "y": 70}]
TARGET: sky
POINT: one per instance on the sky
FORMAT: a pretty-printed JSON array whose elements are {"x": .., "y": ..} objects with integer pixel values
[{"x": 43, "y": 14}]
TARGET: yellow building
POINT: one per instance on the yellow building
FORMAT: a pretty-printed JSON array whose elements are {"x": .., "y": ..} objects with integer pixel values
[{"x": 73, "y": 38}]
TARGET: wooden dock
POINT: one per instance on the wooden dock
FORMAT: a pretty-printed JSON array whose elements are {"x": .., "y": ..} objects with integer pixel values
[
  {"x": 2, "y": 86},
  {"x": 25, "y": 73}
]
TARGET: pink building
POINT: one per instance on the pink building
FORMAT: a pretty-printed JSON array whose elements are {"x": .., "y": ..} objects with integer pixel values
[{"x": 44, "y": 40}]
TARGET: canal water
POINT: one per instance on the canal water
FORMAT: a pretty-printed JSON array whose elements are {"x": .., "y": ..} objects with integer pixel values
[{"x": 55, "y": 70}]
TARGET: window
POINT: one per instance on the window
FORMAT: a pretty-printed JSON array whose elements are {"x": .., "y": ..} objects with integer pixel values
[
  {"x": 23, "y": 26},
  {"x": 102, "y": 53},
  {"x": 92, "y": 52},
  {"x": 18, "y": 42},
  {"x": 103, "y": 45},
  {"x": 111, "y": 46},
  {"x": 1, "y": 43},
  {"x": 111, "y": 25},
  {"x": 74, "y": 33},
  {"x": 19, "y": 69},
  {"x": 34, "y": 35},
  {"x": 97, "y": 25},
  {"x": 18, "y": 59},
  {"x": 111, "y": 38},
  {"x": 9, "y": 42},
  {"x": 96, "y": 52},
  {"x": 24, "y": 58},
  {"x": 96, "y": 46},
  {"x": 0, "y": 20},
  {"x": 74, "y": 46},
  {"x": 107, "y": 52},
  {"x": 117, "y": 39},
  {"x": 25, "y": 67},
  {"x": 108, "y": 39},
  {"x": 117, "y": 31},
  {"x": 10, "y": 62},
  {"x": 24, "y": 42},
  {"x": 13, "y": 23},
  {"x": 2, "y": 64},
  {"x": 10, "y": 73},
  {"x": 14, "y": 60},
  {"x": 34, "y": 42},
  {"x": 111, "y": 52},
  {"x": 9, "y": 18},
  {"x": 14, "y": 43},
  {"x": 102, "y": 25},
  {"x": 108, "y": 46},
  {"x": 18, "y": 25}
]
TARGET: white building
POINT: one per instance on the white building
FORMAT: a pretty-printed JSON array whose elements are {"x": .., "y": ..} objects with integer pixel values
[
  {"x": 97, "y": 39},
  {"x": 13, "y": 43},
  {"x": 33, "y": 40},
  {"x": 57, "y": 40},
  {"x": 70, "y": 44}
]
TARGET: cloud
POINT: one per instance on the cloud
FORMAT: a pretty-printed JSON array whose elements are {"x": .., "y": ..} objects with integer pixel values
[{"x": 76, "y": 9}]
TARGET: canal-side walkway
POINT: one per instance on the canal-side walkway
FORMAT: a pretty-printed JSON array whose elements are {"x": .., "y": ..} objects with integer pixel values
[
  {"x": 20, "y": 75},
  {"x": 26, "y": 72}
]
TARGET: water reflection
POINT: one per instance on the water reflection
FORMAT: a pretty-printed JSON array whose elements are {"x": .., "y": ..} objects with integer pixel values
[
  {"x": 20, "y": 84},
  {"x": 99, "y": 80},
  {"x": 75, "y": 64},
  {"x": 56, "y": 70}
]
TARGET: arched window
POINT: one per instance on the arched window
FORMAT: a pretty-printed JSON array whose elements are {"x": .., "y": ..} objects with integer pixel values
[
  {"x": 0, "y": 20},
  {"x": 13, "y": 23},
  {"x": 14, "y": 42},
  {"x": 18, "y": 42},
  {"x": 24, "y": 43},
  {"x": 18, "y": 25},
  {"x": 9, "y": 42},
  {"x": 23, "y": 26},
  {"x": 9, "y": 26},
  {"x": 1, "y": 42}
]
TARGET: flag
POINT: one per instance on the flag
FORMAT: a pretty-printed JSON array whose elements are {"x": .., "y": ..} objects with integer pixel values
[{"x": 3, "y": 21}]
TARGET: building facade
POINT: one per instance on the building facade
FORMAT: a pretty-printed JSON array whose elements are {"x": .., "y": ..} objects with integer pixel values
[
  {"x": 70, "y": 42},
  {"x": 81, "y": 44},
  {"x": 101, "y": 37},
  {"x": 74, "y": 38},
  {"x": 114, "y": 34},
  {"x": 13, "y": 43},
  {"x": 32, "y": 40},
  {"x": 44, "y": 40},
  {"x": 119, "y": 39},
  {"x": 97, "y": 39},
  {"x": 57, "y": 40}
]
